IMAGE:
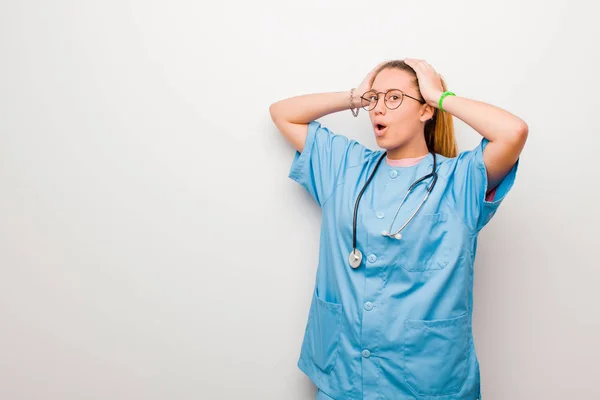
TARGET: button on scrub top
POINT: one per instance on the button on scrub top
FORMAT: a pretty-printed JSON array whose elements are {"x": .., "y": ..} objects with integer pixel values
[{"x": 399, "y": 325}]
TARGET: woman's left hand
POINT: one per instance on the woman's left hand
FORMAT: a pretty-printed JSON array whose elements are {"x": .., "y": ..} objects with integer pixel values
[{"x": 430, "y": 82}]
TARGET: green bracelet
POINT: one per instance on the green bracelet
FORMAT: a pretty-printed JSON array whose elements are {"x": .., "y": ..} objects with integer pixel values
[{"x": 446, "y": 93}]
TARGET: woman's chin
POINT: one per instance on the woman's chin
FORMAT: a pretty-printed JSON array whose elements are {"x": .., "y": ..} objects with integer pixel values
[
  {"x": 381, "y": 139},
  {"x": 385, "y": 143}
]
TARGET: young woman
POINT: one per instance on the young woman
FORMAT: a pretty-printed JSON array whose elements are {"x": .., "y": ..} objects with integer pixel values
[{"x": 390, "y": 316}]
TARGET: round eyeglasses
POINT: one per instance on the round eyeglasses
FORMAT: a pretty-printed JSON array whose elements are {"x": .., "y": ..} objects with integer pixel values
[{"x": 392, "y": 99}]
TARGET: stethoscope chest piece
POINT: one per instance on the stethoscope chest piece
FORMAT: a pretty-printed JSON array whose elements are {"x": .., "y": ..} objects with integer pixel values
[{"x": 355, "y": 258}]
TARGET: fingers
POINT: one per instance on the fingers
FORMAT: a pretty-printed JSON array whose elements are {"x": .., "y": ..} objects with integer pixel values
[
  {"x": 418, "y": 64},
  {"x": 415, "y": 61}
]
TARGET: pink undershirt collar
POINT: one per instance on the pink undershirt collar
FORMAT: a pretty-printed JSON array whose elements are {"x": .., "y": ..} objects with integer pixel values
[{"x": 404, "y": 162}]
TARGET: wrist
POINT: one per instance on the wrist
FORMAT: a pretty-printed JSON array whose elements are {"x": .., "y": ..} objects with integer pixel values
[
  {"x": 435, "y": 99},
  {"x": 355, "y": 99},
  {"x": 443, "y": 98}
]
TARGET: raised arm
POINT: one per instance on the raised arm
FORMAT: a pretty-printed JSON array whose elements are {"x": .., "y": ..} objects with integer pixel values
[
  {"x": 292, "y": 115},
  {"x": 506, "y": 132}
]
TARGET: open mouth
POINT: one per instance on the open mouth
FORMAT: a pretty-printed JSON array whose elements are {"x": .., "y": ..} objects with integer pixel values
[{"x": 380, "y": 129}]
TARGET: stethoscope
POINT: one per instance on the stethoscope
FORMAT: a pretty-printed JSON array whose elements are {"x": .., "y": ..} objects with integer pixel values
[{"x": 355, "y": 255}]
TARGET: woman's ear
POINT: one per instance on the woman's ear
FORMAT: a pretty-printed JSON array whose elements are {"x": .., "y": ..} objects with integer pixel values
[{"x": 426, "y": 112}]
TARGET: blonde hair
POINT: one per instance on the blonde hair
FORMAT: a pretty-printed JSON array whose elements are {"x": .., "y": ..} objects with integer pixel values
[{"x": 439, "y": 131}]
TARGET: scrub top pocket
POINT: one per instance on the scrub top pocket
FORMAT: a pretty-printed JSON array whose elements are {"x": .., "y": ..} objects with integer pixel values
[
  {"x": 424, "y": 244},
  {"x": 324, "y": 332},
  {"x": 436, "y": 354}
]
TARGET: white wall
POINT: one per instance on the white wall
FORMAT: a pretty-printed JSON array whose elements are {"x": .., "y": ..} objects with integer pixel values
[{"x": 153, "y": 247}]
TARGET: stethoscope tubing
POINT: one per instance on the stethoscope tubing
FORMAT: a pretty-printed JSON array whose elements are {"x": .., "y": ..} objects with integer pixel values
[{"x": 433, "y": 174}]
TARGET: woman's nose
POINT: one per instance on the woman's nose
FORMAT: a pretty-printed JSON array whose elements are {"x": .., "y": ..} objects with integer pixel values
[{"x": 380, "y": 106}]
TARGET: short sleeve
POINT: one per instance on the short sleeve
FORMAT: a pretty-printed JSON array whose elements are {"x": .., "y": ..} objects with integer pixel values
[
  {"x": 469, "y": 187},
  {"x": 324, "y": 158}
]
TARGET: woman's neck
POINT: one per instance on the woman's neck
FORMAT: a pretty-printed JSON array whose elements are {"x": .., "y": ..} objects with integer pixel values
[{"x": 408, "y": 151}]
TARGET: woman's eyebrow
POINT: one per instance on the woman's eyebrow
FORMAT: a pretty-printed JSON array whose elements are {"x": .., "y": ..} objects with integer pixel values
[{"x": 386, "y": 90}]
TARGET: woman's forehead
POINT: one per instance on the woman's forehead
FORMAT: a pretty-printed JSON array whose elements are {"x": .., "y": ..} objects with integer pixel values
[{"x": 392, "y": 79}]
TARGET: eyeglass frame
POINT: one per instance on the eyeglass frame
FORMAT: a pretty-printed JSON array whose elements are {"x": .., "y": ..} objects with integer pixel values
[{"x": 385, "y": 95}]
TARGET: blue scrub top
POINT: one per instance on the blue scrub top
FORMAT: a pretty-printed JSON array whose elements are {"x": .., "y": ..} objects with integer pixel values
[{"x": 399, "y": 325}]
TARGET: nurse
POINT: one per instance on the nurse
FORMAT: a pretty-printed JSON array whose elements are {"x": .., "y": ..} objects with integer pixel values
[{"x": 391, "y": 312}]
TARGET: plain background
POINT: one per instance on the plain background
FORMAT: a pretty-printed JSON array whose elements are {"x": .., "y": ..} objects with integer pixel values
[{"x": 153, "y": 247}]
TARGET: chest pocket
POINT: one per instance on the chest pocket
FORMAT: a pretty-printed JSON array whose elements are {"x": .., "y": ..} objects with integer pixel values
[{"x": 424, "y": 245}]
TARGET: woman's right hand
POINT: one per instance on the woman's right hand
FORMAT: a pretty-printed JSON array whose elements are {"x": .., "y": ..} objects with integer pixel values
[{"x": 365, "y": 85}]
